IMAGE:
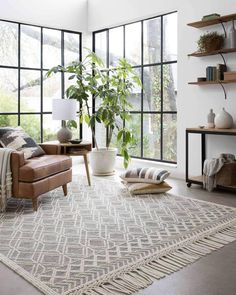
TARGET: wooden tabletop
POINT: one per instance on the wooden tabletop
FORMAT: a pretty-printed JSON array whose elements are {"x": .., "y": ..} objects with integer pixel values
[
  {"x": 68, "y": 144},
  {"x": 212, "y": 130}
]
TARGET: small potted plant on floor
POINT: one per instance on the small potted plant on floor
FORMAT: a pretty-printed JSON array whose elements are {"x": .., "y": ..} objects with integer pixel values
[{"x": 110, "y": 88}]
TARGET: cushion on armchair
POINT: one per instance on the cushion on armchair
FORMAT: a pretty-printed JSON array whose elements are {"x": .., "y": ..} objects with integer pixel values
[{"x": 17, "y": 139}]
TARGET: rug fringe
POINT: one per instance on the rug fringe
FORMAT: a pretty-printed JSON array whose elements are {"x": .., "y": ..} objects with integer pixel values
[{"x": 130, "y": 281}]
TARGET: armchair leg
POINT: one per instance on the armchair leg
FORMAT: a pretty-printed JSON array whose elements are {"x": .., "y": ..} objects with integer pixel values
[
  {"x": 65, "y": 189},
  {"x": 35, "y": 203}
]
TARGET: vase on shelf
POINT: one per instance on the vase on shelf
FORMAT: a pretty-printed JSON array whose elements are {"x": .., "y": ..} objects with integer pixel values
[
  {"x": 223, "y": 120},
  {"x": 232, "y": 36},
  {"x": 211, "y": 119}
]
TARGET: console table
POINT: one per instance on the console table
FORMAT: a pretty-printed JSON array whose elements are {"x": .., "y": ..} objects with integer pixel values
[
  {"x": 203, "y": 132},
  {"x": 75, "y": 149}
]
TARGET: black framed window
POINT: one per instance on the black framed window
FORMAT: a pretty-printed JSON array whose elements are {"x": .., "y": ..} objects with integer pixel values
[
  {"x": 151, "y": 47},
  {"x": 27, "y": 52}
]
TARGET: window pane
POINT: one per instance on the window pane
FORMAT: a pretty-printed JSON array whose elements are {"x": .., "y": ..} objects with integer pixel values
[
  {"x": 71, "y": 47},
  {"x": 135, "y": 125},
  {"x": 114, "y": 142},
  {"x": 51, "y": 48},
  {"x": 151, "y": 136},
  {"x": 100, "y": 134},
  {"x": 169, "y": 87},
  {"x": 30, "y": 46},
  {"x": 152, "y": 88},
  {"x": 8, "y": 90},
  {"x": 116, "y": 45},
  {"x": 30, "y": 91},
  {"x": 8, "y": 120},
  {"x": 152, "y": 41},
  {"x": 50, "y": 128},
  {"x": 101, "y": 46},
  {"x": 51, "y": 89},
  {"x": 76, "y": 131},
  {"x": 31, "y": 125},
  {"x": 133, "y": 43},
  {"x": 9, "y": 44},
  {"x": 135, "y": 97},
  {"x": 169, "y": 137},
  {"x": 170, "y": 37}
]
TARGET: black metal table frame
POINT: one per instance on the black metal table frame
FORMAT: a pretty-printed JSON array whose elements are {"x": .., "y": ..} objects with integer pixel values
[{"x": 203, "y": 133}]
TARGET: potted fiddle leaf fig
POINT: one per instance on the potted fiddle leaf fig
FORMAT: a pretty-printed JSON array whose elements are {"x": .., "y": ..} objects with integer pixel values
[{"x": 110, "y": 89}]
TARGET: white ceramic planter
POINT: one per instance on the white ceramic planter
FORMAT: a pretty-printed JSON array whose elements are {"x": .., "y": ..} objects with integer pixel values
[{"x": 103, "y": 160}]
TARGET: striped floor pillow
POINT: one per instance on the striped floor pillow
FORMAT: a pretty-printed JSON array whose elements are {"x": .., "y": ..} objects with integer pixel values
[{"x": 147, "y": 175}]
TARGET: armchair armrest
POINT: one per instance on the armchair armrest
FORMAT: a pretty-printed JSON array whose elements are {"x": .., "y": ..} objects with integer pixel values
[
  {"x": 51, "y": 149},
  {"x": 17, "y": 159}
]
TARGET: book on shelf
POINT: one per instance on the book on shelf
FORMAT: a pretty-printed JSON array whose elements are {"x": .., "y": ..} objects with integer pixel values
[
  {"x": 215, "y": 73},
  {"x": 210, "y": 16},
  {"x": 211, "y": 73}
]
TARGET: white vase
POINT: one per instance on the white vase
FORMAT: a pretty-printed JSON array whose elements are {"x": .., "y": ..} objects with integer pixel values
[
  {"x": 223, "y": 120},
  {"x": 103, "y": 161},
  {"x": 232, "y": 36}
]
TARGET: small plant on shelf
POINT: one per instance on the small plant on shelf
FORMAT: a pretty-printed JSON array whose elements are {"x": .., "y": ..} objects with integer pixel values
[{"x": 210, "y": 41}]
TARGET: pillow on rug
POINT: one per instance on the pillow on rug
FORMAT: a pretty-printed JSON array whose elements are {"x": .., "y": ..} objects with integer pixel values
[
  {"x": 147, "y": 175},
  {"x": 147, "y": 188},
  {"x": 17, "y": 139}
]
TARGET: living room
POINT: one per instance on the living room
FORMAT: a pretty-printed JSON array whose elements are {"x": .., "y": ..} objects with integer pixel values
[{"x": 107, "y": 232}]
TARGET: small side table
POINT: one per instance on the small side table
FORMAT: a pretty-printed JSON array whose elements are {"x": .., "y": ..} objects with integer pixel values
[{"x": 75, "y": 149}]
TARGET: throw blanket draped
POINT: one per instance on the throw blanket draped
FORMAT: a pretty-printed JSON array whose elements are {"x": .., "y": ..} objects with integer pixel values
[
  {"x": 210, "y": 169},
  {"x": 5, "y": 177}
]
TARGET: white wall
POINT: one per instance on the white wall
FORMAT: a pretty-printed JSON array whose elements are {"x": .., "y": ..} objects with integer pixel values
[
  {"x": 67, "y": 14},
  {"x": 193, "y": 102}
]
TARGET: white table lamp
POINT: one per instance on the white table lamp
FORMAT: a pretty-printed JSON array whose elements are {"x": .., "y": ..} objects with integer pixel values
[{"x": 64, "y": 109}]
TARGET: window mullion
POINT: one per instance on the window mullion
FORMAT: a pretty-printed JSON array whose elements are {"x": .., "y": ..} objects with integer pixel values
[
  {"x": 161, "y": 139},
  {"x": 19, "y": 64},
  {"x": 142, "y": 93}
]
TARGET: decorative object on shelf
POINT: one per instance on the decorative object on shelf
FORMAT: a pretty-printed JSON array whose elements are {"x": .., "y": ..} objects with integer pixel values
[
  {"x": 75, "y": 141},
  {"x": 230, "y": 76},
  {"x": 201, "y": 79},
  {"x": 210, "y": 41},
  {"x": 223, "y": 120},
  {"x": 64, "y": 109},
  {"x": 220, "y": 69},
  {"x": 211, "y": 119},
  {"x": 210, "y": 16},
  {"x": 232, "y": 36},
  {"x": 201, "y": 126}
]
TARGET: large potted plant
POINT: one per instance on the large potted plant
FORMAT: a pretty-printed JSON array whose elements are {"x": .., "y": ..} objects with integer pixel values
[{"x": 110, "y": 89}]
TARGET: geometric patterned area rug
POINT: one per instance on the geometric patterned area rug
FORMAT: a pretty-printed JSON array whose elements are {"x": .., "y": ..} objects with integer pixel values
[{"x": 100, "y": 240}]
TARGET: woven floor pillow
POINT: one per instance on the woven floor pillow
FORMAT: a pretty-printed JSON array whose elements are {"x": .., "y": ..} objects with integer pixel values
[
  {"x": 17, "y": 139},
  {"x": 147, "y": 175},
  {"x": 147, "y": 188}
]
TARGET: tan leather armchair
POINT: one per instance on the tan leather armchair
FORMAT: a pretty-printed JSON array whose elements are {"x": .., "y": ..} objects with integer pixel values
[{"x": 38, "y": 175}]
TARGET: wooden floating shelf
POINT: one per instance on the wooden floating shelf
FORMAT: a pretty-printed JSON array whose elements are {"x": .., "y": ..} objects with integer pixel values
[
  {"x": 218, "y": 20},
  {"x": 223, "y": 50},
  {"x": 212, "y": 82}
]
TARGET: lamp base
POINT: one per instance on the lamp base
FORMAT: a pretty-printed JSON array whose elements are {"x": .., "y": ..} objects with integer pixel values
[{"x": 64, "y": 135}]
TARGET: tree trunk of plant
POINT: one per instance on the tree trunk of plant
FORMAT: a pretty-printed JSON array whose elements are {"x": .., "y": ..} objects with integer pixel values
[{"x": 93, "y": 133}]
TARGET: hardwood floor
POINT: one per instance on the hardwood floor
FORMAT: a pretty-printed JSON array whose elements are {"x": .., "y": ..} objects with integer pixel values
[{"x": 211, "y": 275}]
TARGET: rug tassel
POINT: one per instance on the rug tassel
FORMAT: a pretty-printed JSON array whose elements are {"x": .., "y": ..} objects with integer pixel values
[{"x": 142, "y": 276}]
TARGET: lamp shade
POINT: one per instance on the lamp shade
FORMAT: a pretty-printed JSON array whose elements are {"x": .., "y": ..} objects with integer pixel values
[{"x": 64, "y": 109}]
